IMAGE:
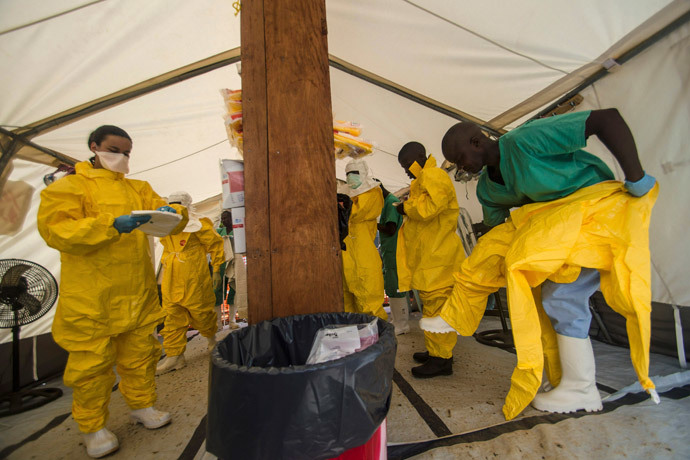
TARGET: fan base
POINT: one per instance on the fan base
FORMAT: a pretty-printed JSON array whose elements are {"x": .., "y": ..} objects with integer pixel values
[
  {"x": 24, "y": 400},
  {"x": 495, "y": 338}
]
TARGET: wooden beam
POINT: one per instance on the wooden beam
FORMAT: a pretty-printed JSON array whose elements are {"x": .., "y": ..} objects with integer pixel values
[
  {"x": 255, "y": 134},
  {"x": 293, "y": 250}
]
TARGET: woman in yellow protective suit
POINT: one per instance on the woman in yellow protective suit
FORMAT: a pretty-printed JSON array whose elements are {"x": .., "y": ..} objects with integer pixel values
[
  {"x": 362, "y": 270},
  {"x": 188, "y": 297},
  {"x": 429, "y": 250},
  {"x": 108, "y": 305}
]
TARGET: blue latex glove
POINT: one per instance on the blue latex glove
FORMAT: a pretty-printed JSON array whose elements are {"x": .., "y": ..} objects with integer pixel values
[
  {"x": 167, "y": 209},
  {"x": 641, "y": 187},
  {"x": 127, "y": 223}
]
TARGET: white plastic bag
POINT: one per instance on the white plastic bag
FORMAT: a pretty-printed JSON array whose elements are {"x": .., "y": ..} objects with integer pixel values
[{"x": 336, "y": 341}]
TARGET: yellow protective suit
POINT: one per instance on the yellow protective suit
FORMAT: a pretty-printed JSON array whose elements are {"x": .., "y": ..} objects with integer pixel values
[
  {"x": 188, "y": 297},
  {"x": 108, "y": 305},
  {"x": 429, "y": 250},
  {"x": 600, "y": 227},
  {"x": 362, "y": 271}
]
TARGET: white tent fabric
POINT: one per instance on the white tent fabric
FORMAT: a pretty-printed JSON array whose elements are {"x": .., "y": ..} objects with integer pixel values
[{"x": 484, "y": 58}]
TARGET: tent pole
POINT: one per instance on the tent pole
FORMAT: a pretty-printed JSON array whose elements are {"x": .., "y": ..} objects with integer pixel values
[
  {"x": 16, "y": 146},
  {"x": 625, "y": 57},
  {"x": 7, "y": 152},
  {"x": 132, "y": 92},
  {"x": 407, "y": 93},
  {"x": 680, "y": 345}
]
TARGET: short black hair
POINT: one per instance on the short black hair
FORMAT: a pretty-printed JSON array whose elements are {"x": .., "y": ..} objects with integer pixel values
[
  {"x": 102, "y": 131},
  {"x": 412, "y": 149}
]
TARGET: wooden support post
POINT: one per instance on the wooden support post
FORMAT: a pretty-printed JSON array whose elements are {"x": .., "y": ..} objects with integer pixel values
[{"x": 293, "y": 249}]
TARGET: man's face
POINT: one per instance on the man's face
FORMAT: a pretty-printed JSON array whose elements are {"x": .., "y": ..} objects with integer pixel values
[
  {"x": 408, "y": 161},
  {"x": 226, "y": 220},
  {"x": 465, "y": 156}
]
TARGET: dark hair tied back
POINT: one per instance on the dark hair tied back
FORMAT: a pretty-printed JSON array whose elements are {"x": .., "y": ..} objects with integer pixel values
[{"x": 102, "y": 131}]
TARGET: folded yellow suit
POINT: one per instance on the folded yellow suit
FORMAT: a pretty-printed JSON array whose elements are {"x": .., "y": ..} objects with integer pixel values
[{"x": 600, "y": 227}]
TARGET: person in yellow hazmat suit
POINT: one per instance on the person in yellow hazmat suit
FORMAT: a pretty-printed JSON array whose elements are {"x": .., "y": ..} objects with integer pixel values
[
  {"x": 187, "y": 286},
  {"x": 573, "y": 228},
  {"x": 362, "y": 270},
  {"x": 429, "y": 250},
  {"x": 108, "y": 307}
]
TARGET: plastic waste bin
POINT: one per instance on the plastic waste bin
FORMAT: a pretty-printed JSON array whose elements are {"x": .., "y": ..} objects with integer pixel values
[{"x": 265, "y": 403}]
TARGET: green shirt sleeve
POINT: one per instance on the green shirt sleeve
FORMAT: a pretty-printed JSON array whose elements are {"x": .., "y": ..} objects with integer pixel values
[{"x": 389, "y": 214}]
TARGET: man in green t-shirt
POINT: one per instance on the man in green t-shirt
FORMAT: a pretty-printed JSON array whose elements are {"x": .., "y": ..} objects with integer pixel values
[
  {"x": 543, "y": 161},
  {"x": 227, "y": 268},
  {"x": 388, "y": 227}
]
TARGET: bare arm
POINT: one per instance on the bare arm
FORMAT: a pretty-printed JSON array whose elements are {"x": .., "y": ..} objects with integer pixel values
[{"x": 611, "y": 129}]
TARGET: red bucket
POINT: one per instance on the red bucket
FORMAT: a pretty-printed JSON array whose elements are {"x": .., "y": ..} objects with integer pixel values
[{"x": 373, "y": 449}]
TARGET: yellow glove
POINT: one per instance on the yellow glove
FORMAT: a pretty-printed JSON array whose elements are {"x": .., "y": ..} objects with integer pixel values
[{"x": 216, "y": 280}]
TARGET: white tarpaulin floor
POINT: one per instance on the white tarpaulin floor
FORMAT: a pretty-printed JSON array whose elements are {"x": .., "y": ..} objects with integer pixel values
[{"x": 441, "y": 418}]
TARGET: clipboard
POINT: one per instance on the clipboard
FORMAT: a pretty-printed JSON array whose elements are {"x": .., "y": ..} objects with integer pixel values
[{"x": 161, "y": 223}]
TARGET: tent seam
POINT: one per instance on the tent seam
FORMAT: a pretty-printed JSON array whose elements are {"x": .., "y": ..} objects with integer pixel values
[
  {"x": 48, "y": 18},
  {"x": 478, "y": 35}
]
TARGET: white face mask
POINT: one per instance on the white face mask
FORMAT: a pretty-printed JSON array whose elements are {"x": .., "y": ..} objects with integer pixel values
[
  {"x": 112, "y": 161},
  {"x": 354, "y": 180}
]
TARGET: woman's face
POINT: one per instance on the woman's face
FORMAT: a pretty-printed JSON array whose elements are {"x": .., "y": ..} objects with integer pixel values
[{"x": 112, "y": 143}]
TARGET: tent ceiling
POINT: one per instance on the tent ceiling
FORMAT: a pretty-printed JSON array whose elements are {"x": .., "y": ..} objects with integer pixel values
[
  {"x": 477, "y": 59},
  {"x": 481, "y": 57}
]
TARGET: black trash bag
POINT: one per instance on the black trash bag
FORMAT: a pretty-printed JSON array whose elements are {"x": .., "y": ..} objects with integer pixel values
[{"x": 265, "y": 403}]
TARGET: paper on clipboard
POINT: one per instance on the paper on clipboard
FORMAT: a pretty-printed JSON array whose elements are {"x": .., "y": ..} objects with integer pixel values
[{"x": 161, "y": 223}]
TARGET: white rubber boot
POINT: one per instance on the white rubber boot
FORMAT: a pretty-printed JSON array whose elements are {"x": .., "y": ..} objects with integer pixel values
[
  {"x": 578, "y": 387},
  {"x": 400, "y": 314},
  {"x": 435, "y": 324},
  {"x": 100, "y": 443},
  {"x": 150, "y": 417},
  {"x": 170, "y": 363}
]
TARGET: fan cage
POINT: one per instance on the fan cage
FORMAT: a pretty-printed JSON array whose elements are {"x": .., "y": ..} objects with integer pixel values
[{"x": 41, "y": 284}]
